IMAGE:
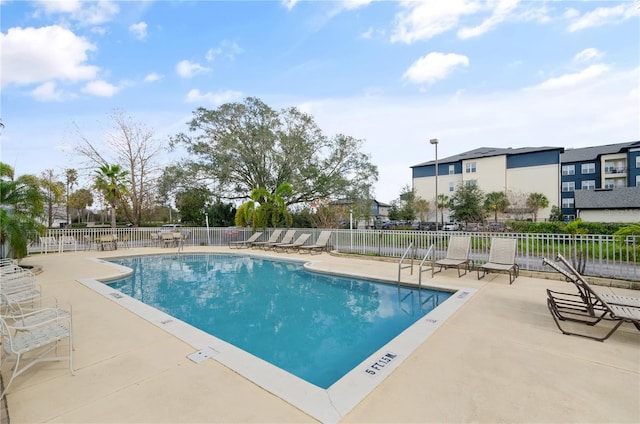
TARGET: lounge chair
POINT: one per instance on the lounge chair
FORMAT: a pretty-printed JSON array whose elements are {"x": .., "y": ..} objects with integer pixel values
[
  {"x": 588, "y": 306},
  {"x": 457, "y": 255},
  {"x": 321, "y": 244},
  {"x": 286, "y": 239},
  {"x": 245, "y": 243},
  {"x": 286, "y": 247},
  {"x": 31, "y": 332},
  {"x": 272, "y": 239},
  {"x": 502, "y": 258}
]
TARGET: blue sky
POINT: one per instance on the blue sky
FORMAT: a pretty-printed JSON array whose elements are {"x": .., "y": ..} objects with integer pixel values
[{"x": 503, "y": 73}]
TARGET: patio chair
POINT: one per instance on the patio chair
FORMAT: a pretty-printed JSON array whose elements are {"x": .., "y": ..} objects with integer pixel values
[
  {"x": 457, "y": 255},
  {"x": 584, "y": 288},
  {"x": 589, "y": 306},
  {"x": 287, "y": 247},
  {"x": 18, "y": 289},
  {"x": 48, "y": 244},
  {"x": 286, "y": 239},
  {"x": 271, "y": 240},
  {"x": 168, "y": 239},
  {"x": 245, "y": 243},
  {"x": 23, "y": 335},
  {"x": 502, "y": 258},
  {"x": 322, "y": 243},
  {"x": 155, "y": 239},
  {"x": 68, "y": 242}
]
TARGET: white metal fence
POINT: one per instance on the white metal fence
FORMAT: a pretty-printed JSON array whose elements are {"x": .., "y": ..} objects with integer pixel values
[{"x": 605, "y": 255}]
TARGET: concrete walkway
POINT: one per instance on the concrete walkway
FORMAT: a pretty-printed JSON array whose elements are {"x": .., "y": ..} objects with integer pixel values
[{"x": 500, "y": 358}]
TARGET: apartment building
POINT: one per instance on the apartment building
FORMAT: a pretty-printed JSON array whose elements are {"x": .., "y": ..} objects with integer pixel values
[
  {"x": 516, "y": 172},
  {"x": 601, "y": 183}
]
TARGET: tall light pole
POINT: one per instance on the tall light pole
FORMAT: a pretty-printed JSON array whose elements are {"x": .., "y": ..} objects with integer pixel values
[{"x": 434, "y": 141}]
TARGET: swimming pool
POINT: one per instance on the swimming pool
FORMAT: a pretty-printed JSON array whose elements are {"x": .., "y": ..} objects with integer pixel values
[
  {"x": 315, "y": 326},
  {"x": 325, "y": 405}
]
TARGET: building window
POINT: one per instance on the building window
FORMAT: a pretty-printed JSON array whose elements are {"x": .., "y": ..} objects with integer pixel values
[
  {"x": 588, "y": 185},
  {"x": 470, "y": 167},
  {"x": 452, "y": 186},
  {"x": 452, "y": 169},
  {"x": 609, "y": 183},
  {"x": 588, "y": 168},
  {"x": 638, "y": 161},
  {"x": 568, "y": 186},
  {"x": 471, "y": 183},
  {"x": 567, "y": 203},
  {"x": 638, "y": 180},
  {"x": 568, "y": 169},
  {"x": 568, "y": 217}
]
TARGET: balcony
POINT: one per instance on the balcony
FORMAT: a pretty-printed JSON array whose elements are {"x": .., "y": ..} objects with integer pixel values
[{"x": 609, "y": 170}]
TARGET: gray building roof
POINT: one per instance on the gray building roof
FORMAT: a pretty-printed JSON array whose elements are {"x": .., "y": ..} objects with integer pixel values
[
  {"x": 592, "y": 153},
  {"x": 485, "y": 152},
  {"x": 617, "y": 198}
]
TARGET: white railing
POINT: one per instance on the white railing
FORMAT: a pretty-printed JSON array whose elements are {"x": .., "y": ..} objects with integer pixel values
[{"x": 606, "y": 256}]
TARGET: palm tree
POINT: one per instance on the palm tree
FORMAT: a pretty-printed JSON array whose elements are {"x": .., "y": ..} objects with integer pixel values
[
  {"x": 535, "y": 202},
  {"x": 72, "y": 178},
  {"x": 21, "y": 204},
  {"x": 265, "y": 207},
  {"x": 443, "y": 204},
  {"x": 496, "y": 201},
  {"x": 111, "y": 181}
]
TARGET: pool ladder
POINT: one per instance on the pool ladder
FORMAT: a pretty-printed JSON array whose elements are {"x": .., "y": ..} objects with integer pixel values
[{"x": 427, "y": 259}]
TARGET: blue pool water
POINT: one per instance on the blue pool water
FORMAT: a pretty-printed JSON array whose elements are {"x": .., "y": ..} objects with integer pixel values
[{"x": 315, "y": 326}]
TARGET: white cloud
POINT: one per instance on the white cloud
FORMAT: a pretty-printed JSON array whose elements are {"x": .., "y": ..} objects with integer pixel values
[
  {"x": 502, "y": 11},
  {"x": 47, "y": 92},
  {"x": 34, "y": 55},
  {"x": 434, "y": 66},
  {"x": 602, "y": 16},
  {"x": 421, "y": 20},
  {"x": 227, "y": 49},
  {"x": 195, "y": 96},
  {"x": 139, "y": 30},
  {"x": 100, "y": 88},
  {"x": 153, "y": 77},
  {"x": 85, "y": 12},
  {"x": 187, "y": 69},
  {"x": 289, "y": 4},
  {"x": 573, "y": 79},
  {"x": 368, "y": 34},
  {"x": 587, "y": 54},
  {"x": 355, "y": 4}
]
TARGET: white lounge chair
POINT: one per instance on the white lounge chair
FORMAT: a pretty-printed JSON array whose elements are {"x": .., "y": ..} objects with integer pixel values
[
  {"x": 457, "y": 255},
  {"x": 502, "y": 258},
  {"x": 32, "y": 333}
]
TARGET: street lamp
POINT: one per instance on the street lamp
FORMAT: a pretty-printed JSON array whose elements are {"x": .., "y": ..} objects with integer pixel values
[{"x": 434, "y": 141}]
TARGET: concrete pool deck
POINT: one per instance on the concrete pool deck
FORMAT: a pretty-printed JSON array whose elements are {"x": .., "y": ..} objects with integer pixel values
[{"x": 499, "y": 358}]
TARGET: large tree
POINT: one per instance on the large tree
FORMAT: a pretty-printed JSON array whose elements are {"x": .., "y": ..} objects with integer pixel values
[
  {"x": 79, "y": 200},
  {"x": 21, "y": 205},
  {"x": 496, "y": 202},
  {"x": 467, "y": 204},
  {"x": 111, "y": 181},
  {"x": 132, "y": 146},
  {"x": 240, "y": 147}
]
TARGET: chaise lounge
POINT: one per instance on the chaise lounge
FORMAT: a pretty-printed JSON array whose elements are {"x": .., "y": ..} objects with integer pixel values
[
  {"x": 502, "y": 258},
  {"x": 457, "y": 255}
]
